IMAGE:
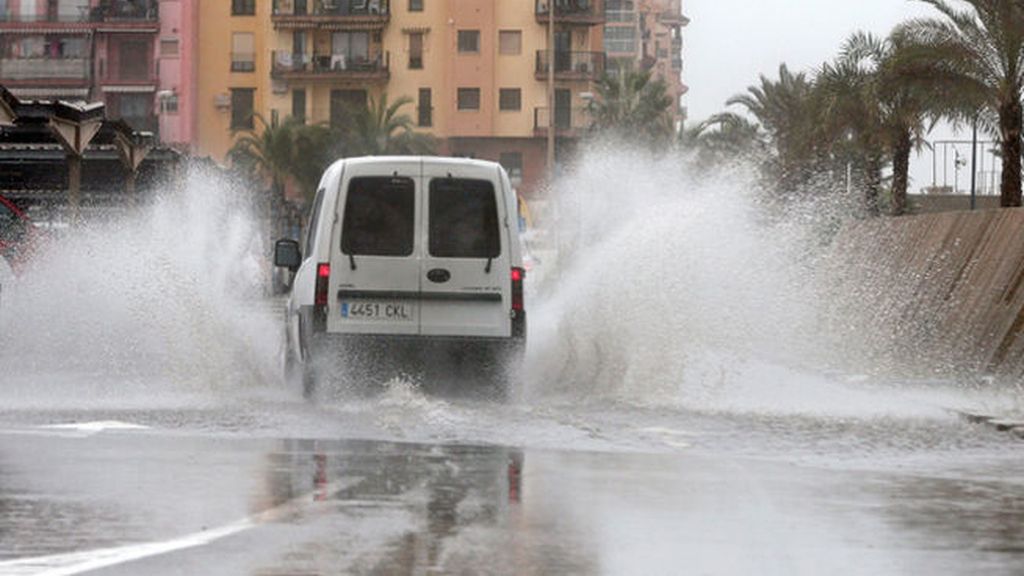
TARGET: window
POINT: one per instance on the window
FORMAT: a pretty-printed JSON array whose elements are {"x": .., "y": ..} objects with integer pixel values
[
  {"x": 134, "y": 61},
  {"x": 425, "y": 109},
  {"x": 510, "y": 42},
  {"x": 349, "y": 47},
  {"x": 619, "y": 39},
  {"x": 169, "y": 47},
  {"x": 379, "y": 217},
  {"x": 510, "y": 99},
  {"x": 242, "y": 108},
  {"x": 243, "y": 52},
  {"x": 469, "y": 98},
  {"x": 469, "y": 41},
  {"x": 243, "y": 7},
  {"x": 299, "y": 104},
  {"x": 169, "y": 104},
  {"x": 311, "y": 224},
  {"x": 416, "y": 50},
  {"x": 463, "y": 219},
  {"x": 415, "y": 5},
  {"x": 512, "y": 162}
]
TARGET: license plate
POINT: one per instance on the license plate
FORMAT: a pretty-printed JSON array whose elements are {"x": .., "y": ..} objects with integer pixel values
[{"x": 382, "y": 311}]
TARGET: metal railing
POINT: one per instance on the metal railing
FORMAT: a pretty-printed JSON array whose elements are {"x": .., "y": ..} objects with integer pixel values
[
  {"x": 45, "y": 68},
  {"x": 243, "y": 62},
  {"x": 566, "y": 119},
  {"x": 106, "y": 11},
  {"x": 571, "y": 10},
  {"x": 318, "y": 63},
  {"x": 331, "y": 8},
  {"x": 583, "y": 65}
]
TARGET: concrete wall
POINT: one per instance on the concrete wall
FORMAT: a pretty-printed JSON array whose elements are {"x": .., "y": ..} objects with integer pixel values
[{"x": 938, "y": 293}]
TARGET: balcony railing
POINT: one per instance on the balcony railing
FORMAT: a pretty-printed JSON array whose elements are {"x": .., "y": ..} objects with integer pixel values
[
  {"x": 303, "y": 13},
  {"x": 126, "y": 11},
  {"x": 571, "y": 65},
  {"x": 106, "y": 11},
  {"x": 46, "y": 69},
  {"x": 586, "y": 12},
  {"x": 313, "y": 66},
  {"x": 243, "y": 62},
  {"x": 571, "y": 122}
]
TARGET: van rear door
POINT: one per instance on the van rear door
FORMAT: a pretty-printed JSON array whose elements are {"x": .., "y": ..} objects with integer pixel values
[
  {"x": 465, "y": 282},
  {"x": 375, "y": 263}
]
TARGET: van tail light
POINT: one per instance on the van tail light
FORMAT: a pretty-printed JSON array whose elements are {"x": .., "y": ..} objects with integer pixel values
[
  {"x": 323, "y": 279},
  {"x": 518, "y": 310},
  {"x": 517, "y": 288}
]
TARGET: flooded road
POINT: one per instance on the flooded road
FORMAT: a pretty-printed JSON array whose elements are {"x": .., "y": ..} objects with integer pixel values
[{"x": 684, "y": 408}]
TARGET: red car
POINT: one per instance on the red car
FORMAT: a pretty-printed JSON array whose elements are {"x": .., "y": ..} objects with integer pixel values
[{"x": 16, "y": 235}]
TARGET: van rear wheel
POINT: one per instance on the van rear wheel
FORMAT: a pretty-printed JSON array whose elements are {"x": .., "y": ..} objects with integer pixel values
[{"x": 309, "y": 381}]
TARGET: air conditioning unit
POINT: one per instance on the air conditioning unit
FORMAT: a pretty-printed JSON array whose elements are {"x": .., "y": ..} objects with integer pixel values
[{"x": 222, "y": 100}]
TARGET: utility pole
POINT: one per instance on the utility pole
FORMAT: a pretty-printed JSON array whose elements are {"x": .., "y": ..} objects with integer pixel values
[
  {"x": 551, "y": 91},
  {"x": 974, "y": 159}
]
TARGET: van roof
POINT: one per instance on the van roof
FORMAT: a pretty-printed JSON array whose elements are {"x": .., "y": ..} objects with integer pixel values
[{"x": 434, "y": 160}]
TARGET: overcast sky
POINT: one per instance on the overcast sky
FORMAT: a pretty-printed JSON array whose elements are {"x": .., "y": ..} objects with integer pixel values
[{"x": 729, "y": 43}]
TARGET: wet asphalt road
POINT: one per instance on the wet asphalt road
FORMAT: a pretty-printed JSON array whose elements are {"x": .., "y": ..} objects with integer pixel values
[{"x": 205, "y": 497}]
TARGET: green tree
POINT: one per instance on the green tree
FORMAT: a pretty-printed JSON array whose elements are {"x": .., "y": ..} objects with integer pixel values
[
  {"x": 380, "y": 129},
  {"x": 633, "y": 107},
  {"x": 267, "y": 152},
  {"x": 291, "y": 149},
  {"x": 724, "y": 138},
  {"x": 786, "y": 111},
  {"x": 977, "y": 52}
]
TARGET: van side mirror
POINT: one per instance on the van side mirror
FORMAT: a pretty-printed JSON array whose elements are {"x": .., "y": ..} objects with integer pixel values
[{"x": 287, "y": 254}]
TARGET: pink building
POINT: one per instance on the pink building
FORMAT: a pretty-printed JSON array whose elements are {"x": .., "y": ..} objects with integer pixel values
[{"x": 133, "y": 55}]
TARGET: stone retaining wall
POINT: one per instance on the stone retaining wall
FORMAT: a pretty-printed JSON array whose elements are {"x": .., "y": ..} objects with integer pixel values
[{"x": 937, "y": 293}]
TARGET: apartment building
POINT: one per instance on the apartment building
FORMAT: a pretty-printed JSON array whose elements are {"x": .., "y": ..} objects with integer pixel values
[
  {"x": 647, "y": 34},
  {"x": 109, "y": 51}
]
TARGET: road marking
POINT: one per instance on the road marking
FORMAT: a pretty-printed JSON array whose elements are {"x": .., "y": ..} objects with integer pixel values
[
  {"x": 96, "y": 427},
  {"x": 78, "y": 562},
  {"x": 669, "y": 437}
]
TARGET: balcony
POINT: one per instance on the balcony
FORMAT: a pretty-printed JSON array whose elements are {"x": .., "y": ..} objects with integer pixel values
[
  {"x": 330, "y": 67},
  {"x": 332, "y": 14},
  {"x": 117, "y": 12},
  {"x": 59, "y": 71},
  {"x": 126, "y": 11},
  {"x": 569, "y": 122},
  {"x": 572, "y": 12},
  {"x": 578, "y": 66}
]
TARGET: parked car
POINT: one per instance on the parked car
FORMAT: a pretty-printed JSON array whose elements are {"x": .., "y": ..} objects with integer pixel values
[
  {"x": 16, "y": 239},
  {"x": 418, "y": 253}
]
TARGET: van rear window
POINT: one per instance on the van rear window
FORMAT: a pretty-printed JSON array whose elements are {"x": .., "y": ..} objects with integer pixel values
[
  {"x": 379, "y": 217},
  {"x": 463, "y": 219}
]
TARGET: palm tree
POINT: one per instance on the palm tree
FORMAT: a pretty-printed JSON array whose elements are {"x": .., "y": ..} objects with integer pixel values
[
  {"x": 724, "y": 138},
  {"x": 380, "y": 129},
  {"x": 632, "y": 106},
  {"x": 291, "y": 149},
  {"x": 978, "y": 52},
  {"x": 268, "y": 153},
  {"x": 786, "y": 111}
]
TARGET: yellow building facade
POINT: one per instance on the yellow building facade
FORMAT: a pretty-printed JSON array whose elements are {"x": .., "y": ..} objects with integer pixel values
[{"x": 475, "y": 70}]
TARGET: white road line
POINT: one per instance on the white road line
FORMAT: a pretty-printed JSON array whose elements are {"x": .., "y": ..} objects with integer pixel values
[{"x": 78, "y": 562}]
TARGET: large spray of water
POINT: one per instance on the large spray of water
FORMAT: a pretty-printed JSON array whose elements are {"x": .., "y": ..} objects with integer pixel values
[{"x": 150, "y": 303}]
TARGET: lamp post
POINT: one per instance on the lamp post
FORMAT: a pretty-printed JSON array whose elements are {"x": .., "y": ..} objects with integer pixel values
[{"x": 551, "y": 91}]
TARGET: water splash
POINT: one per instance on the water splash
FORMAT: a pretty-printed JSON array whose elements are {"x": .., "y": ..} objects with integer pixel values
[
  {"x": 156, "y": 301},
  {"x": 674, "y": 291}
]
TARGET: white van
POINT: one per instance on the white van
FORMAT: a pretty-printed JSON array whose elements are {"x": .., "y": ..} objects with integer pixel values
[{"x": 422, "y": 252}]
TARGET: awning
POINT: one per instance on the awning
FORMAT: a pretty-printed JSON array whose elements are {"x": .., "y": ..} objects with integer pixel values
[
  {"x": 416, "y": 30},
  {"x": 128, "y": 89},
  {"x": 128, "y": 30},
  {"x": 44, "y": 93},
  {"x": 54, "y": 30}
]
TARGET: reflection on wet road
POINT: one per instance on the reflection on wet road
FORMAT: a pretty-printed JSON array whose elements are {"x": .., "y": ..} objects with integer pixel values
[{"x": 144, "y": 502}]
